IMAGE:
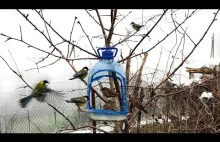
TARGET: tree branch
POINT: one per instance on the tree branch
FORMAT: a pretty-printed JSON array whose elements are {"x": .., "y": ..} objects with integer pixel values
[
  {"x": 63, "y": 116},
  {"x": 55, "y": 32},
  {"x": 16, "y": 73},
  {"x": 87, "y": 38},
  {"x": 103, "y": 31},
  {"x": 137, "y": 111}
]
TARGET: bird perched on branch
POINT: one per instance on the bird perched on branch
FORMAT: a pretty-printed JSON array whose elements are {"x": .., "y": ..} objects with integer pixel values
[
  {"x": 42, "y": 94},
  {"x": 81, "y": 74},
  {"x": 79, "y": 101},
  {"x": 136, "y": 27},
  {"x": 107, "y": 92}
]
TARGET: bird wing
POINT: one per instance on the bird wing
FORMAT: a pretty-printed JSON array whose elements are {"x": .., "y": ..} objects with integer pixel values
[
  {"x": 138, "y": 26},
  {"x": 77, "y": 100},
  {"x": 52, "y": 96},
  {"x": 80, "y": 73}
]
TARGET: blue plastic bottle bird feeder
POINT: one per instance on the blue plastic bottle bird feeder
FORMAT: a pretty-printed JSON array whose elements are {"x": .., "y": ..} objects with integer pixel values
[{"x": 104, "y": 69}]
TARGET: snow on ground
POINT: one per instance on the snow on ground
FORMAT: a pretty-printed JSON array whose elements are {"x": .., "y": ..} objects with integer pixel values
[
  {"x": 111, "y": 127},
  {"x": 207, "y": 95},
  {"x": 104, "y": 128},
  {"x": 190, "y": 81}
]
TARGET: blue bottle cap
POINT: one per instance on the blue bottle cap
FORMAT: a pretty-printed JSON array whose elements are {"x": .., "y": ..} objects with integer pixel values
[{"x": 107, "y": 53}]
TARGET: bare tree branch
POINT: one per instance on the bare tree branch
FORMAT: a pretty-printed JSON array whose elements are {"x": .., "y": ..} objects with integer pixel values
[
  {"x": 16, "y": 73},
  {"x": 87, "y": 38},
  {"x": 103, "y": 31},
  {"x": 122, "y": 19},
  {"x": 63, "y": 116},
  {"x": 43, "y": 66},
  {"x": 45, "y": 24},
  {"x": 144, "y": 37},
  {"x": 55, "y": 32},
  {"x": 190, "y": 52},
  {"x": 160, "y": 40},
  {"x": 71, "y": 38},
  {"x": 137, "y": 111},
  {"x": 30, "y": 45}
]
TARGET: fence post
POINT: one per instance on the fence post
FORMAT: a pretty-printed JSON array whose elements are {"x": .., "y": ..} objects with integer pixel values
[
  {"x": 55, "y": 119},
  {"x": 29, "y": 124},
  {"x": 0, "y": 124},
  {"x": 139, "y": 114},
  {"x": 93, "y": 105}
]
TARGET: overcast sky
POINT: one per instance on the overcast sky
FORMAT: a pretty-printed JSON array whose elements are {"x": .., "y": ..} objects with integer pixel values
[{"x": 62, "y": 21}]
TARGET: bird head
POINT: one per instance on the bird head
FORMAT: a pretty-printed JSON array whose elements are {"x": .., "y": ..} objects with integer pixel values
[
  {"x": 86, "y": 97},
  {"x": 45, "y": 82},
  {"x": 86, "y": 68},
  {"x": 132, "y": 23}
]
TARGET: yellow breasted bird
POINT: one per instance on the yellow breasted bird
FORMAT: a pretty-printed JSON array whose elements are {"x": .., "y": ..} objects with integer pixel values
[
  {"x": 135, "y": 26},
  {"x": 42, "y": 94},
  {"x": 79, "y": 101},
  {"x": 81, "y": 74},
  {"x": 107, "y": 92}
]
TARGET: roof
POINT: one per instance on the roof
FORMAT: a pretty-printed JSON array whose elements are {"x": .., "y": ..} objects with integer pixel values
[{"x": 208, "y": 63}]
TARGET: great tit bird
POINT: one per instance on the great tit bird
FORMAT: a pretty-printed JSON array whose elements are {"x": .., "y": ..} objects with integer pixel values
[
  {"x": 107, "y": 92},
  {"x": 79, "y": 101},
  {"x": 136, "y": 26},
  {"x": 81, "y": 74},
  {"x": 42, "y": 94}
]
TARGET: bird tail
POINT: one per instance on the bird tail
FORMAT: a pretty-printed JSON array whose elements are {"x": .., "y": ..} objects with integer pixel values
[
  {"x": 25, "y": 101},
  {"x": 72, "y": 78},
  {"x": 68, "y": 101}
]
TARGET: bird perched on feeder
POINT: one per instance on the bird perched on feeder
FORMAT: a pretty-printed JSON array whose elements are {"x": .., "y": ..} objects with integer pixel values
[
  {"x": 79, "y": 101},
  {"x": 41, "y": 93},
  {"x": 110, "y": 105},
  {"x": 135, "y": 26},
  {"x": 107, "y": 92},
  {"x": 81, "y": 74}
]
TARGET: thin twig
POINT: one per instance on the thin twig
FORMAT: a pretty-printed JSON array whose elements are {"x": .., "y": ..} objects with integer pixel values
[
  {"x": 30, "y": 45},
  {"x": 137, "y": 111},
  {"x": 122, "y": 19},
  {"x": 45, "y": 24},
  {"x": 71, "y": 37},
  {"x": 55, "y": 32},
  {"x": 186, "y": 34},
  {"x": 14, "y": 62},
  {"x": 63, "y": 116},
  {"x": 87, "y": 38},
  {"x": 183, "y": 37},
  {"x": 190, "y": 52},
  {"x": 34, "y": 124},
  {"x": 16, "y": 73},
  {"x": 160, "y": 40},
  {"x": 43, "y": 66},
  {"x": 59, "y": 50},
  {"x": 156, "y": 66},
  {"x": 147, "y": 34},
  {"x": 49, "y": 53},
  {"x": 21, "y": 87},
  {"x": 21, "y": 32}
]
